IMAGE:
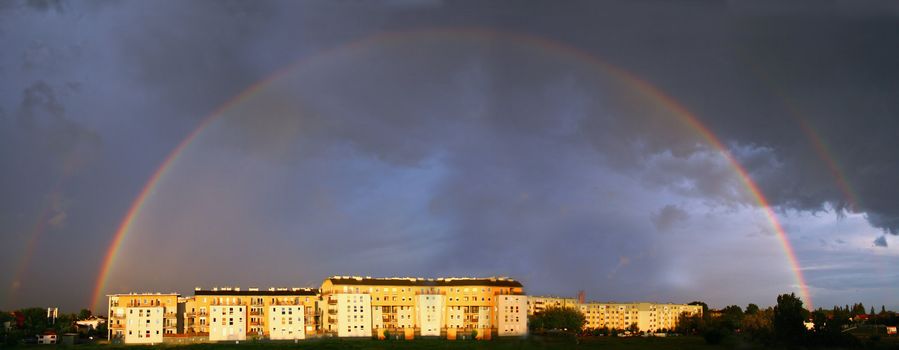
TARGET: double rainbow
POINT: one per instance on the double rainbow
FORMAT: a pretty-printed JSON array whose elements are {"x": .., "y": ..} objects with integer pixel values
[{"x": 557, "y": 48}]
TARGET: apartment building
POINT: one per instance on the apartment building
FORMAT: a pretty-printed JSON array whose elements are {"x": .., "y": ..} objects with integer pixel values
[
  {"x": 235, "y": 314},
  {"x": 365, "y": 306},
  {"x": 648, "y": 317},
  {"x": 536, "y": 304},
  {"x": 287, "y": 322},
  {"x": 343, "y": 306},
  {"x": 142, "y": 318}
]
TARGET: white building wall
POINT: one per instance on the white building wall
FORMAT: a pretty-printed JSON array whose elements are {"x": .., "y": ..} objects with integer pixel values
[
  {"x": 228, "y": 322},
  {"x": 143, "y": 325},
  {"x": 430, "y": 314},
  {"x": 354, "y": 315},
  {"x": 455, "y": 316},
  {"x": 484, "y": 318},
  {"x": 377, "y": 317},
  {"x": 286, "y": 322},
  {"x": 512, "y": 318}
]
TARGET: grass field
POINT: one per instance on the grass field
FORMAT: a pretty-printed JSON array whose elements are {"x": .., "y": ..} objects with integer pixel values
[
  {"x": 605, "y": 343},
  {"x": 499, "y": 344}
]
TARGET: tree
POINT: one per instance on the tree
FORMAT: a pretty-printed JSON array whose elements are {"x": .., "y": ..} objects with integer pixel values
[
  {"x": 35, "y": 321},
  {"x": 789, "y": 316},
  {"x": 84, "y": 314},
  {"x": 633, "y": 327},
  {"x": 858, "y": 309},
  {"x": 65, "y": 323},
  {"x": 705, "y": 308},
  {"x": 561, "y": 318},
  {"x": 731, "y": 317},
  {"x": 101, "y": 330},
  {"x": 689, "y": 324},
  {"x": 752, "y": 309},
  {"x": 757, "y": 326}
]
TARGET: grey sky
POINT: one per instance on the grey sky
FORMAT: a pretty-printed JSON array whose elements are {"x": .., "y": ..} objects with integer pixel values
[{"x": 409, "y": 140}]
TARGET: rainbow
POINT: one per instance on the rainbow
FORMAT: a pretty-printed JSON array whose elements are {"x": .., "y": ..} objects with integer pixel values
[
  {"x": 631, "y": 80},
  {"x": 822, "y": 151},
  {"x": 69, "y": 167}
]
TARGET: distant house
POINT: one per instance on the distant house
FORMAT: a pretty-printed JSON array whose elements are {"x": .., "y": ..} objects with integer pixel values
[
  {"x": 860, "y": 318},
  {"x": 90, "y": 323},
  {"x": 48, "y": 337},
  {"x": 19, "y": 316}
]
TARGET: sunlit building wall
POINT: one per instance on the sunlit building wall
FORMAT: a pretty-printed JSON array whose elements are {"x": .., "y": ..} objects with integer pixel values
[
  {"x": 647, "y": 317},
  {"x": 286, "y": 322},
  {"x": 537, "y": 304},
  {"x": 257, "y": 303},
  {"x": 397, "y": 306},
  {"x": 513, "y": 311},
  {"x": 227, "y": 321},
  {"x": 142, "y": 318}
]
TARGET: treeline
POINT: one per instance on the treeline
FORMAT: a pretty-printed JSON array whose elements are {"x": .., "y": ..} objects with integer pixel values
[
  {"x": 785, "y": 324},
  {"x": 30, "y": 322}
]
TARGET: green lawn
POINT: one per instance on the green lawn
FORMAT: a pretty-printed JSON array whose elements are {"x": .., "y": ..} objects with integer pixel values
[{"x": 605, "y": 343}]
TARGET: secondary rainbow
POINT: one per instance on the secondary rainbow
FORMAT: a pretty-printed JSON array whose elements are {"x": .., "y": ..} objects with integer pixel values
[
  {"x": 469, "y": 34},
  {"x": 821, "y": 149}
]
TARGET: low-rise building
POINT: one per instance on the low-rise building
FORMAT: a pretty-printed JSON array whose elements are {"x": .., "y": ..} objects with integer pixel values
[{"x": 48, "y": 337}]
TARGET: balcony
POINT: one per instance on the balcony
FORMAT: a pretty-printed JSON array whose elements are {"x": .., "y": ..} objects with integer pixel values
[
  {"x": 436, "y": 292},
  {"x": 332, "y": 301},
  {"x": 255, "y": 313},
  {"x": 332, "y": 311},
  {"x": 255, "y": 323}
]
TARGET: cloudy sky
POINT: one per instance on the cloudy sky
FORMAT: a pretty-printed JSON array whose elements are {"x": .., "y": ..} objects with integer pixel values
[{"x": 549, "y": 142}]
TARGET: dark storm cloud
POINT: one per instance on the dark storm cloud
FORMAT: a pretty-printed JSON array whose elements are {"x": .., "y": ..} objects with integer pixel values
[
  {"x": 881, "y": 241},
  {"x": 831, "y": 70}
]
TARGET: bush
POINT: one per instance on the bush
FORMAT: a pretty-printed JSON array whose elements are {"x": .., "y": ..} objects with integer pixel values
[{"x": 713, "y": 336}]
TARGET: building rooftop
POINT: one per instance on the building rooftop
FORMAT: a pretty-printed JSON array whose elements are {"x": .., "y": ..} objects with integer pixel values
[
  {"x": 143, "y": 294},
  {"x": 427, "y": 282},
  {"x": 256, "y": 291}
]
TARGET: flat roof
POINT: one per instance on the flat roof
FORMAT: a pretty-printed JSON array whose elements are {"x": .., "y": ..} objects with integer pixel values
[
  {"x": 268, "y": 292},
  {"x": 425, "y": 282},
  {"x": 142, "y": 294}
]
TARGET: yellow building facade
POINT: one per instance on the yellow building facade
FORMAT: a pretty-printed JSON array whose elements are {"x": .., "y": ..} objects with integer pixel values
[
  {"x": 642, "y": 316},
  {"x": 142, "y": 318},
  {"x": 646, "y": 317},
  {"x": 409, "y": 307},
  {"x": 536, "y": 304},
  {"x": 256, "y": 307}
]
